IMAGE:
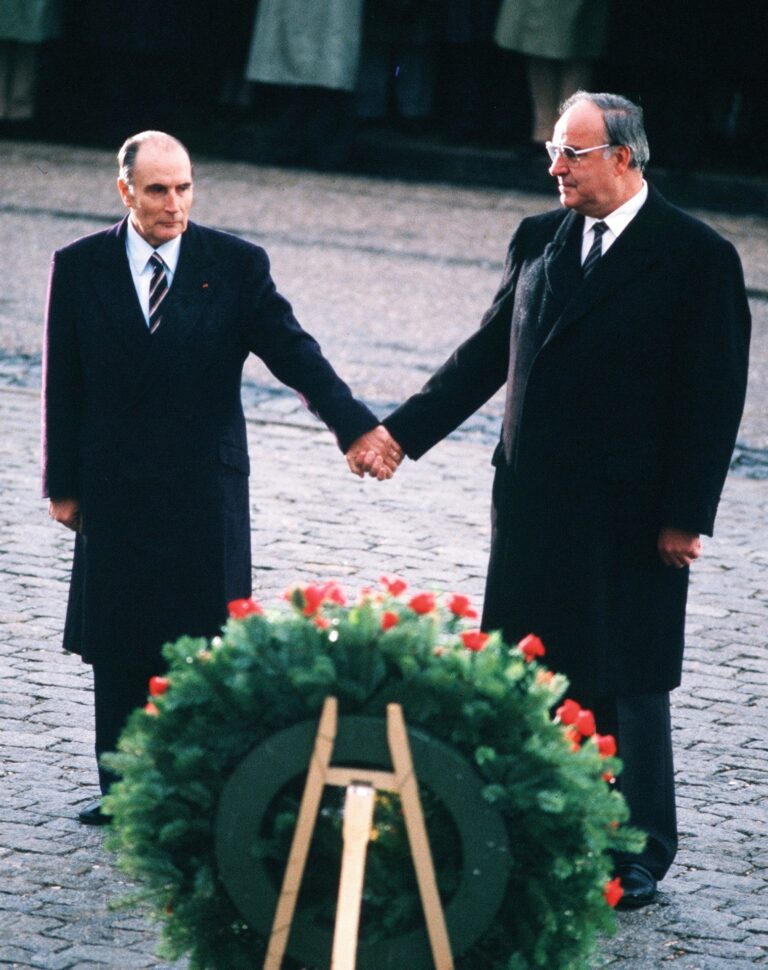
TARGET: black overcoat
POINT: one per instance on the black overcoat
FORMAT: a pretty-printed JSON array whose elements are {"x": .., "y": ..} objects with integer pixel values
[
  {"x": 624, "y": 395},
  {"x": 147, "y": 431}
]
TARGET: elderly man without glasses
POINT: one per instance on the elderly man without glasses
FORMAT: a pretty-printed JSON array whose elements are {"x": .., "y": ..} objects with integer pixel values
[{"x": 148, "y": 326}]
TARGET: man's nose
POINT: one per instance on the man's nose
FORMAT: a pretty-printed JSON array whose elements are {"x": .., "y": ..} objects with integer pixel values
[
  {"x": 559, "y": 166},
  {"x": 172, "y": 201}
]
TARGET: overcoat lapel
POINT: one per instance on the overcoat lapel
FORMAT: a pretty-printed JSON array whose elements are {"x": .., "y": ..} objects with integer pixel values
[
  {"x": 194, "y": 283},
  {"x": 636, "y": 248},
  {"x": 114, "y": 290}
]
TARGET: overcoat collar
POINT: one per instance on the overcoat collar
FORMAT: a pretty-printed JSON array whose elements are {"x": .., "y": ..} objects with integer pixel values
[
  {"x": 195, "y": 279},
  {"x": 640, "y": 245}
]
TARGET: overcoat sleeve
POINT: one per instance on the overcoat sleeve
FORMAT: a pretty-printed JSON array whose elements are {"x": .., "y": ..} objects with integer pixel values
[
  {"x": 711, "y": 360},
  {"x": 62, "y": 392},
  {"x": 468, "y": 378},
  {"x": 295, "y": 358}
]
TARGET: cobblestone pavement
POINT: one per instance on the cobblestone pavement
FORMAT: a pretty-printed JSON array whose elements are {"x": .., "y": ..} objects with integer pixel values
[{"x": 361, "y": 260}]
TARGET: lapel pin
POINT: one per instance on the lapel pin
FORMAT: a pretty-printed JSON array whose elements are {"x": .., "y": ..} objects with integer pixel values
[{"x": 205, "y": 286}]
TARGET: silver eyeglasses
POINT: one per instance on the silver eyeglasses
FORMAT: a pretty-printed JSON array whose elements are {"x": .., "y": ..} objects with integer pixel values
[{"x": 571, "y": 155}]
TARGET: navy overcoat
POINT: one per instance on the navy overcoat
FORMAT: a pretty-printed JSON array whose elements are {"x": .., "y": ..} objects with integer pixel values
[
  {"x": 147, "y": 431},
  {"x": 623, "y": 398}
]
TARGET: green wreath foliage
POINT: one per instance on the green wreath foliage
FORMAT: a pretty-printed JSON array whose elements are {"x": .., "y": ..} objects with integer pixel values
[{"x": 491, "y": 702}]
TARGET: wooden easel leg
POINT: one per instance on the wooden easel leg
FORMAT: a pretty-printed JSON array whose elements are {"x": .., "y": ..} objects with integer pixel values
[
  {"x": 358, "y": 818},
  {"x": 417, "y": 837},
  {"x": 302, "y": 836}
]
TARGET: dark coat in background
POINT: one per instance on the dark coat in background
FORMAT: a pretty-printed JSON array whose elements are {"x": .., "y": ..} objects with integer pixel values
[
  {"x": 147, "y": 431},
  {"x": 624, "y": 395}
]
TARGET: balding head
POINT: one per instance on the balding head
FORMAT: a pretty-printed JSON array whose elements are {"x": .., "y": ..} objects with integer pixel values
[{"x": 126, "y": 157}]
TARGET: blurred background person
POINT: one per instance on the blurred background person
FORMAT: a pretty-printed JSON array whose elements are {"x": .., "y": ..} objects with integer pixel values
[
  {"x": 313, "y": 50},
  {"x": 560, "y": 40},
  {"x": 24, "y": 26}
]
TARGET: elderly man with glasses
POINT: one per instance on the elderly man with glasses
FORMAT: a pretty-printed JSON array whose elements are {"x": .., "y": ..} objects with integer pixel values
[{"x": 621, "y": 329}]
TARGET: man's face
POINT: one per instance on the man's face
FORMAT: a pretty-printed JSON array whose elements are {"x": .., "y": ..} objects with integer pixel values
[
  {"x": 161, "y": 195},
  {"x": 593, "y": 184}
]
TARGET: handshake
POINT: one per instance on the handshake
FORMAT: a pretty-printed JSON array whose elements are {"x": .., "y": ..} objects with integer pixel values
[{"x": 375, "y": 452}]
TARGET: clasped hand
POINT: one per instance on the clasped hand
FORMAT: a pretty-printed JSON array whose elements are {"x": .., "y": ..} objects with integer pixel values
[{"x": 376, "y": 453}]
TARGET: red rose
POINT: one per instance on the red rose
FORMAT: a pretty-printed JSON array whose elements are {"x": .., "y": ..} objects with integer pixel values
[
  {"x": 568, "y": 712},
  {"x": 474, "y": 639},
  {"x": 321, "y": 622},
  {"x": 239, "y": 609},
  {"x": 532, "y": 647},
  {"x": 459, "y": 605},
  {"x": 389, "y": 619},
  {"x": 150, "y": 708},
  {"x": 613, "y": 891},
  {"x": 606, "y": 745},
  {"x": 313, "y": 599},
  {"x": 393, "y": 585},
  {"x": 423, "y": 603},
  {"x": 334, "y": 594},
  {"x": 158, "y": 685},
  {"x": 610, "y": 778},
  {"x": 585, "y": 722}
]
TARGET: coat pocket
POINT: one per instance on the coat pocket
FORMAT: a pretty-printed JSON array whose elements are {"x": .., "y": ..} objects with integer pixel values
[{"x": 234, "y": 457}]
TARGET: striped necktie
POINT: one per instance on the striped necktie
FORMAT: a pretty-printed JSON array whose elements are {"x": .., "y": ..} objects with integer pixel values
[
  {"x": 595, "y": 250},
  {"x": 158, "y": 288}
]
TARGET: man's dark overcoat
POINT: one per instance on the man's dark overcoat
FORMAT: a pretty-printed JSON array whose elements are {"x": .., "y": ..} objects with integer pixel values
[
  {"x": 624, "y": 395},
  {"x": 147, "y": 431}
]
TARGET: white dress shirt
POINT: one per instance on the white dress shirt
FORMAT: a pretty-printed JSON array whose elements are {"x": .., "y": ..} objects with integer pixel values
[
  {"x": 139, "y": 253},
  {"x": 617, "y": 222}
]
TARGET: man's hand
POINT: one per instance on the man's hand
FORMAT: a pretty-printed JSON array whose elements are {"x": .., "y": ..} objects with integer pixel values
[
  {"x": 678, "y": 548},
  {"x": 375, "y": 452},
  {"x": 67, "y": 512}
]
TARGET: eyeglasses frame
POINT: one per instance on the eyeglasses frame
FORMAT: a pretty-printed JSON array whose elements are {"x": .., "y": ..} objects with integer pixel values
[{"x": 559, "y": 150}]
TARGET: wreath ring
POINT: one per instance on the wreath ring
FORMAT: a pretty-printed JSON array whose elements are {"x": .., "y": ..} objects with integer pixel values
[{"x": 264, "y": 772}]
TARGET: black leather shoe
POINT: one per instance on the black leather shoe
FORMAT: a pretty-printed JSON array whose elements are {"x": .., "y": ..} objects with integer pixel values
[
  {"x": 93, "y": 815},
  {"x": 638, "y": 884}
]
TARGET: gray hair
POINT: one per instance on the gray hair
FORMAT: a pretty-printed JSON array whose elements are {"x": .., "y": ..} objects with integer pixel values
[
  {"x": 623, "y": 123},
  {"x": 126, "y": 157}
]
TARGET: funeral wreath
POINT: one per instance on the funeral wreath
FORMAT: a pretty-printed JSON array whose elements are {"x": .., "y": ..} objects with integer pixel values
[{"x": 516, "y": 786}]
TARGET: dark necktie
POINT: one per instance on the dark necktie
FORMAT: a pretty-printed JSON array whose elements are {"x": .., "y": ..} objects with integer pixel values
[
  {"x": 595, "y": 250},
  {"x": 158, "y": 288}
]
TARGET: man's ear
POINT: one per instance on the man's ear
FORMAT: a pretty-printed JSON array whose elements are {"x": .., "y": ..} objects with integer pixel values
[
  {"x": 623, "y": 156},
  {"x": 125, "y": 193}
]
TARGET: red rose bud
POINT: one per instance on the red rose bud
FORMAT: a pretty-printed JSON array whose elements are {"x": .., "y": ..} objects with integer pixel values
[
  {"x": 393, "y": 585},
  {"x": 572, "y": 734},
  {"x": 158, "y": 685},
  {"x": 610, "y": 778},
  {"x": 239, "y": 609},
  {"x": 531, "y": 647},
  {"x": 606, "y": 745},
  {"x": 568, "y": 712},
  {"x": 423, "y": 603},
  {"x": 150, "y": 708},
  {"x": 321, "y": 622},
  {"x": 459, "y": 605},
  {"x": 544, "y": 676},
  {"x": 613, "y": 891},
  {"x": 389, "y": 619},
  {"x": 474, "y": 639},
  {"x": 585, "y": 723}
]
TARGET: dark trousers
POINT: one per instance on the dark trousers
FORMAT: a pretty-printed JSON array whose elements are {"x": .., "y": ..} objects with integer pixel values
[
  {"x": 642, "y": 728},
  {"x": 118, "y": 688}
]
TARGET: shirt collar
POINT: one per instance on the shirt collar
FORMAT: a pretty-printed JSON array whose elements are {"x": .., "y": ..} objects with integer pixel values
[
  {"x": 139, "y": 250},
  {"x": 618, "y": 220}
]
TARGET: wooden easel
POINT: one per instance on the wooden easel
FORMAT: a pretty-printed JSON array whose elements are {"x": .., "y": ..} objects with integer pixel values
[{"x": 361, "y": 785}]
